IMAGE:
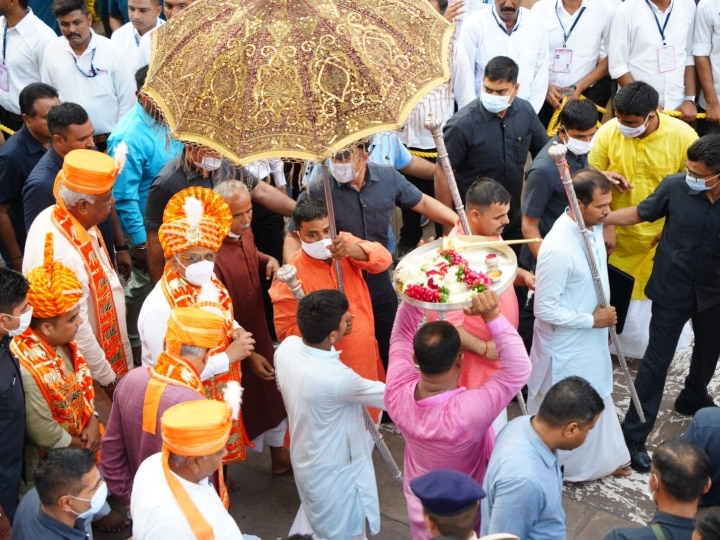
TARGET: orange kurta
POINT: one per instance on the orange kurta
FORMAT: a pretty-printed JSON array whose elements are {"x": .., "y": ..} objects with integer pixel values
[{"x": 358, "y": 349}]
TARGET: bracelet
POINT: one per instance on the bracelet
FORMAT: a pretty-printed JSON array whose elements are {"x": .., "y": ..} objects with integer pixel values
[
  {"x": 122, "y": 248},
  {"x": 140, "y": 247}
]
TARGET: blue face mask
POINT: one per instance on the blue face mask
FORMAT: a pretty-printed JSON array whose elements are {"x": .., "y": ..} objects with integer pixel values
[
  {"x": 699, "y": 184},
  {"x": 493, "y": 103}
]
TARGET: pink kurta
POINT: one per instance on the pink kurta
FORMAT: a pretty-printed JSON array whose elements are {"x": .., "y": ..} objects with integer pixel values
[{"x": 449, "y": 430}]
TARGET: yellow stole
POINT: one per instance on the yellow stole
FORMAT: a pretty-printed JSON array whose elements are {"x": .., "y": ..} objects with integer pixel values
[{"x": 108, "y": 334}]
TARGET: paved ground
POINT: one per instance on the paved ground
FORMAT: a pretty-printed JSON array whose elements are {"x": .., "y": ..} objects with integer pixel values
[{"x": 266, "y": 505}]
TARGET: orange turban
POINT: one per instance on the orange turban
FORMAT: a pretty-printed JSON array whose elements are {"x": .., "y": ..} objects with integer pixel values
[
  {"x": 196, "y": 428},
  {"x": 194, "y": 217},
  {"x": 54, "y": 288},
  {"x": 193, "y": 326},
  {"x": 88, "y": 171}
]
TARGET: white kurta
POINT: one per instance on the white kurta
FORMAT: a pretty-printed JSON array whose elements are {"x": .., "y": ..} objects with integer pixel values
[
  {"x": 152, "y": 327},
  {"x": 564, "y": 341},
  {"x": 331, "y": 459},
  {"x": 157, "y": 515},
  {"x": 127, "y": 38},
  {"x": 66, "y": 253}
]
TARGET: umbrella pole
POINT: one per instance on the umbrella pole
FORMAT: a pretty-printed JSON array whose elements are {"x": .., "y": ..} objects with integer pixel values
[
  {"x": 288, "y": 275},
  {"x": 433, "y": 125},
  {"x": 557, "y": 153},
  {"x": 331, "y": 219}
]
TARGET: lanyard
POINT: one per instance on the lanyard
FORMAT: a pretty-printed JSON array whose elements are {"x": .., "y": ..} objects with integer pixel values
[
  {"x": 662, "y": 28},
  {"x": 566, "y": 35},
  {"x": 502, "y": 26},
  {"x": 93, "y": 71},
  {"x": 5, "y": 42}
]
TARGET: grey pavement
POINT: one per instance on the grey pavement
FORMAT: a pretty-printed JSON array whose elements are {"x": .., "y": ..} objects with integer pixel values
[{"x": 265, "y": 505}]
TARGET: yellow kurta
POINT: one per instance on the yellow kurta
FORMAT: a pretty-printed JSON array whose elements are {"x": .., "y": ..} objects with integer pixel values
[{"x": 644, "y": 162}]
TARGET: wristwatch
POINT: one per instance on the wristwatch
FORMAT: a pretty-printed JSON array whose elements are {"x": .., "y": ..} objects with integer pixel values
[{"x": 689, "y": 98}]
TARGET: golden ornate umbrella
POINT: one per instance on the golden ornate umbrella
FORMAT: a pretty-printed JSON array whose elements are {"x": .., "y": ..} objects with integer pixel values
[{"x": 301, "y": 79}]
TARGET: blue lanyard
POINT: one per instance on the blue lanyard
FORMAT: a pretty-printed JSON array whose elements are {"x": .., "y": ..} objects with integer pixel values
[
  {"x": 5, "y": 42},
  {"x": 93, "y": 71},
  {"x": 502, "y": 26},
  {"x": 566, "y": 35},
  {"x": 662, "y": 28}
]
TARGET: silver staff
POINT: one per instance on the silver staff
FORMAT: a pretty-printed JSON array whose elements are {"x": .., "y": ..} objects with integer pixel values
[
  {"x": 433, "y": 125},
  {"x": 557, "y": 153},
  {"x": 331, "y": 219},
  {"x": 288, "y": 275}
]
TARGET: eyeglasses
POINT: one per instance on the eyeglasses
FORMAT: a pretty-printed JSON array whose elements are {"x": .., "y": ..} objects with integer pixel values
[
  {"x": 193, "y": 258},
  {"x": 700, "y": 176}
]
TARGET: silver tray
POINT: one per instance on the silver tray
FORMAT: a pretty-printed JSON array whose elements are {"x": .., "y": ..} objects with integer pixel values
[{"x": 475, "y": 255}]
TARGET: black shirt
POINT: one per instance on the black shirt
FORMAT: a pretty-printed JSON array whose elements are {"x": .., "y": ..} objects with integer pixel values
[
  {"x": 12, "y": 428},
  {"x": 175, "y": 177},
  {"x": 687, "y": 263},
  {"x": 704, "y": 431},
  {"x": 480, "y": 144},
  {"x": 673, "y": 527},
  {"x": 18, "y": 157}
]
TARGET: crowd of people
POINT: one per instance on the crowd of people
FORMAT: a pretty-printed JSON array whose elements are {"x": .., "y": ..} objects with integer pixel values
[{"x": 149, "y": 336}]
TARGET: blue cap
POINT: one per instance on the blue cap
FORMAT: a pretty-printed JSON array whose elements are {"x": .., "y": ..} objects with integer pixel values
[{"x": 446, "y": 492}]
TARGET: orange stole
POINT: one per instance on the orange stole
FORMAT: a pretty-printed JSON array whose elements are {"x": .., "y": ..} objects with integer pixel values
[
  {"x": 101, "y": 291},
  {"x": 180, "y": 293},
  {"x": 69, "y": 395}
]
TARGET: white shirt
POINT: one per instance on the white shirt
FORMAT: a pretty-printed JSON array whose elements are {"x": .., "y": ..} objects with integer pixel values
[
  {"x": 635, "y": 44},
  {"x": 482, "y": 39},
  {"x": 587, "y": 40},
  {"x": 127, "y": 38},
  {"x": 706, "y": 40},
  {"x": 152, "y": 327},
  {"x": 440, "y": 104},
  {"x": 66, "y": 253},
  {"x": 23, "y": 55},
  {"x": 332, "y": 461},
  {"x": 157, "y": 515},
  {"x": 108, "y": 95}
]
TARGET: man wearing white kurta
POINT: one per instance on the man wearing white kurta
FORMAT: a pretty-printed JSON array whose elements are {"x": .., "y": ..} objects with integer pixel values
[
  {"x": 571, "y": 329},
  {"x": 651, "y": 41},
  {"x": 505, "y": 29},
  {"x": 329, "y": 449}
]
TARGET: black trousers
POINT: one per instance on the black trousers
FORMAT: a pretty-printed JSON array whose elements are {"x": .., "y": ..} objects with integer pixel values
[
  {"x": 411, "y": 232},
  {"x": 665, "y": 327}
]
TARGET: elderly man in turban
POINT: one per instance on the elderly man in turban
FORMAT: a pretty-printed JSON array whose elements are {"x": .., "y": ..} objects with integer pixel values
[
  {"x": 195, "y": 222},
  {"x": 172, "y": 496},
  {"x": 144, "y": 395},
  {"x": 59, "y": 393},
  {"x": 83, "y": 190}
]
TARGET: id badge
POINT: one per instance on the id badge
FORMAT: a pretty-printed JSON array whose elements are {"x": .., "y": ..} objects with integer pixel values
[
  {"x": 4, "y": 78},
  {"x": 562, "y": 61},
  {"x": 666, "y": 58}
]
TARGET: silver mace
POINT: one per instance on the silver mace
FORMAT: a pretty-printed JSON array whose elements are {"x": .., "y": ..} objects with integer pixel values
[
  {"x": 557, "y": 152},
  {"x": 434, "y": 125},
  {"x": 288, "y": 275}
]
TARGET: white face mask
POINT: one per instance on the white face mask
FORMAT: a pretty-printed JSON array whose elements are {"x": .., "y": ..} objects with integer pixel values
[
  {"x": 209, "y": 163},
  {"x": 96, "y": 503},
  {"x": 317, "y": 250},
  {"x": 632, "y": 132},
  {"x": 342, "y": 172},
  {"x": 25, "y": 319},
  {"x": 578, "y": 146},
  {"x": 698, "y": 184},
  {"x": 198, "y": 273},
  {"x": 494, "y": 103}
]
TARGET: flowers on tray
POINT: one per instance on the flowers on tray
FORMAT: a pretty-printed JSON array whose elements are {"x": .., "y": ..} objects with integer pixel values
[{"x": 446, "y": 277}]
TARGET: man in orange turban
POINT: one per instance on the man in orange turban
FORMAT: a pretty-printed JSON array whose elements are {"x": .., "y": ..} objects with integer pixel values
[
  {"x": 59, "y": 392},
  {"x": 144, "y": 395},
  {"x": 195, "y": 222},
  {"x": 83, "y": 191},
  {"x": 172, "y": 496}
]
